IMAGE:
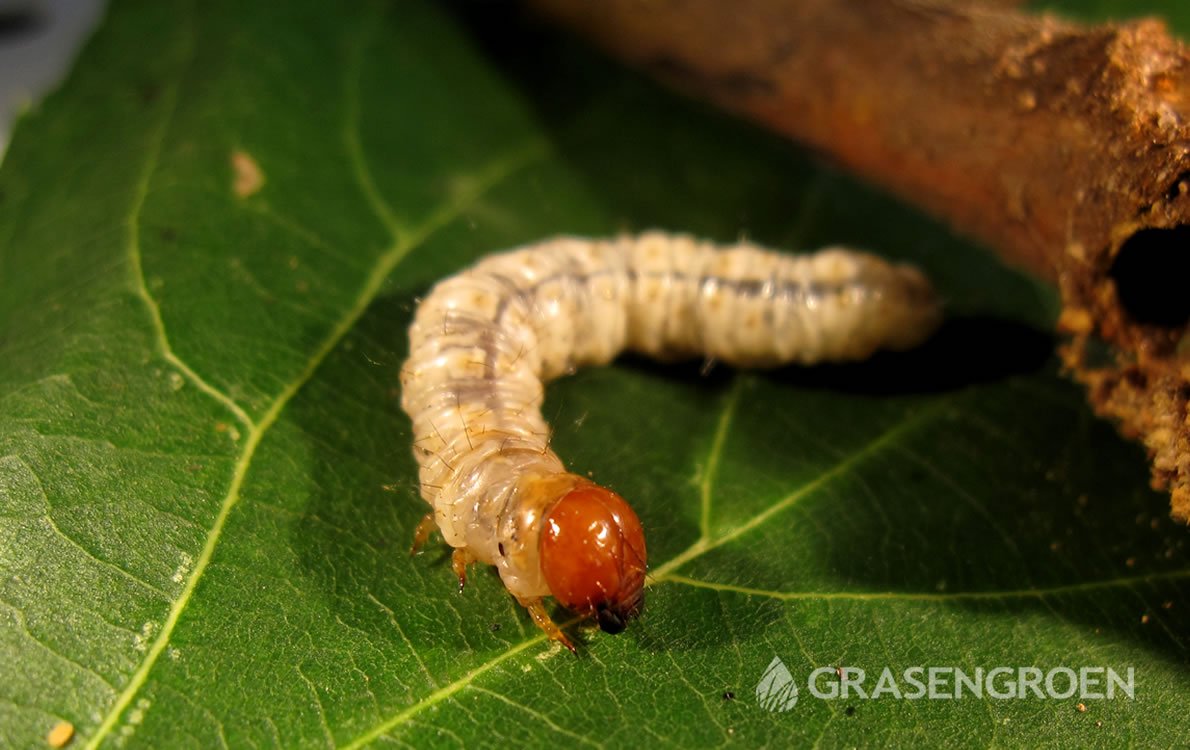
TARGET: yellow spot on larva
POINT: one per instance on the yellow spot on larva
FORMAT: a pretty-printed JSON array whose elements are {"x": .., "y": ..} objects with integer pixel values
[
  {"x": 248, "y": 179},
  {"x": 60, "y": 735}
]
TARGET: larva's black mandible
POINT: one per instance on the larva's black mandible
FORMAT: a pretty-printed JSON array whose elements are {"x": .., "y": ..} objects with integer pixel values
[{"x": 483, "y": 342}]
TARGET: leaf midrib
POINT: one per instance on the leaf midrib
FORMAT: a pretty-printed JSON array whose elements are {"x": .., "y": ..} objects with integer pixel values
[{"x": 403, "y": 243}]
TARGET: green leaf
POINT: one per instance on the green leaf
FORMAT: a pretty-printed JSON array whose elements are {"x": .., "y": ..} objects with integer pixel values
[{"x": 206, "y": 487}]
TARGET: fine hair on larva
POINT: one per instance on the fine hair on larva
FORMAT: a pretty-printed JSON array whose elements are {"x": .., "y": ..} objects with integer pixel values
[{"x": 484, "y": 341}]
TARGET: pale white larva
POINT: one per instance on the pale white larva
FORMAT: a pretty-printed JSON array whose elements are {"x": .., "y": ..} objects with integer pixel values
[{"x": 484, "y": 341}]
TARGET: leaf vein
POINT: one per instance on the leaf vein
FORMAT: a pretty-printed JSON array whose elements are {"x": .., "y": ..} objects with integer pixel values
[
  {"x": 536, "y": 715},
  {"x": 439, "y": 695},
  {"x": 1039, "y": 593},
  {"x": 351, "y": 134},
  {"x": 704, "y": 545},
  {"x": 140, "y": 288},
  {"x": 23, "y": 624},
  {"x": 392, "y": 617},
  {"x": 70, "y": 540},
  {"x": 710, "y": 471},
  {"x": 326, "y": 728},
  {"x": 103, "y": 563}
]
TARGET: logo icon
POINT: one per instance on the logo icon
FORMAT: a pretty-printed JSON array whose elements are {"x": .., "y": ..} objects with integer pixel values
[{"x": 777, "y": 691}]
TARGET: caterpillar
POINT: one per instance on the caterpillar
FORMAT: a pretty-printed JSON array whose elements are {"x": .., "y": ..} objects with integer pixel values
[{"x": 484, "y": 341}]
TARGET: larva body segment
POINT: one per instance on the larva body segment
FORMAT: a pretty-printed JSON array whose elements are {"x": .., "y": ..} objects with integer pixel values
[{"x": 484, "y": 341}]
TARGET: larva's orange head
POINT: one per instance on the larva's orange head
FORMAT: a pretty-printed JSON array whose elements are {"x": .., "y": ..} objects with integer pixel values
[{"x": 593, "y": 556}]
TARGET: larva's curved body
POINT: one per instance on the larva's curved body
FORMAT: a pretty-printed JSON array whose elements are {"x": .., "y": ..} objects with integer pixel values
[{"x": 484, "y": 341}]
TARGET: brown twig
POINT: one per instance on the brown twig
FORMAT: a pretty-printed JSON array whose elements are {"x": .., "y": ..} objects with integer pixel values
[{"x": 1066, "y": 147}]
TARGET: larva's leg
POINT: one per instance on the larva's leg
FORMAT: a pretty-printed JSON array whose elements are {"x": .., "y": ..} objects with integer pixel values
[
  {"x": 459, "y": 561},
  {"x": 542, "y": 619},
  {"x": 425, "y": 527}
]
